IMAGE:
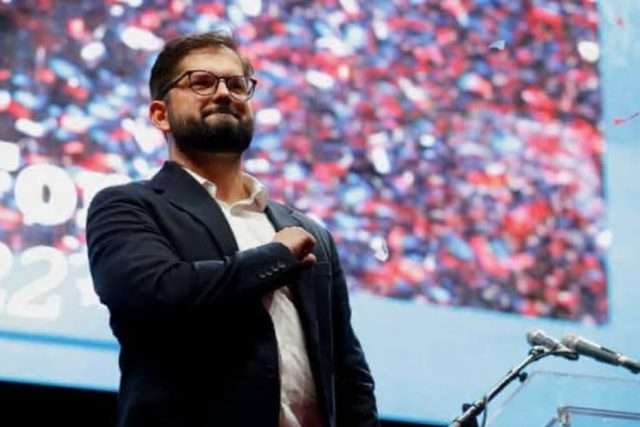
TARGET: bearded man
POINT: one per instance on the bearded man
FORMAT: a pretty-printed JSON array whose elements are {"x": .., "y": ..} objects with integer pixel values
[{"x": 230, "y": 309}]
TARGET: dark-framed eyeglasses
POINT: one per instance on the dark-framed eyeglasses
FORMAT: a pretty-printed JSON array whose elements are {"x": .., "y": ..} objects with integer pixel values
[{"x": 204, "y": 82}]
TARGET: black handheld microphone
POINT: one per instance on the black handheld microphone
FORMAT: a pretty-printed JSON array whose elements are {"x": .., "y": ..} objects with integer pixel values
[
  {"x": 540, "y": 337},
  {"x": 598, "y": 352}
]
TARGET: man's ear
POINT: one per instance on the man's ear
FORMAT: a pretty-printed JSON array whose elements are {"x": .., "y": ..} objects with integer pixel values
[{"x": 159, "y": 116}]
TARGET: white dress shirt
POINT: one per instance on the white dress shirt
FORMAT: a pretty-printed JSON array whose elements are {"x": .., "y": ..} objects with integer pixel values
[{"x": 251, "y": 228}]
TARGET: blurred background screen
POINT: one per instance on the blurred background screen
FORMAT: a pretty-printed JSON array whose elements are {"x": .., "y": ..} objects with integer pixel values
[{"x": 474, "y": 159}]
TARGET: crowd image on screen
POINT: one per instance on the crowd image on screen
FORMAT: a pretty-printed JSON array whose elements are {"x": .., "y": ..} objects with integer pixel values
[{"x": 452, "y": 147}]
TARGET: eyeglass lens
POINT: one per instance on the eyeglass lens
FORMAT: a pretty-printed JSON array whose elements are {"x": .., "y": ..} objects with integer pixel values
[{"x": 206, "y": 83}]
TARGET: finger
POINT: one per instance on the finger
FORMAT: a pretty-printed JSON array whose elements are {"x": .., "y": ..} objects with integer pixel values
[
  {"x": 309, "y": 260},
  {"x": 309, "y": 242},
  {"x": 313, "y": 239}
]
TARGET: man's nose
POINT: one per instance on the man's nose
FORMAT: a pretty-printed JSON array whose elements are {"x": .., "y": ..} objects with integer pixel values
[{"x": 222, "y": 89}]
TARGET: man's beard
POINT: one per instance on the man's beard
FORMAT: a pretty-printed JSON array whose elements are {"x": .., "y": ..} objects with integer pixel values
[{"x": 191, "y": 134}]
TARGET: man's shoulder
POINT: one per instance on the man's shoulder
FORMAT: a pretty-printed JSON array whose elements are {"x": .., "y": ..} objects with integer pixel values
[{"x": 132, "y": 190}]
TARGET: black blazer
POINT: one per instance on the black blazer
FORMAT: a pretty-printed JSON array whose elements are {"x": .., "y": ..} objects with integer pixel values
[{"x": 197, "y": 346}]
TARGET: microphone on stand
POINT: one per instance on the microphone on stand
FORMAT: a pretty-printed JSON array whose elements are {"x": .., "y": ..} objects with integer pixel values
[
  {"x": 596, "y": 351},
  {"x": 543, "y": 346},
  {"x": 538, "y": 337}
]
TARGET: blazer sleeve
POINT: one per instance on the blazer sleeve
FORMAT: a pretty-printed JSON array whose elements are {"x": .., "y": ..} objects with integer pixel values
[
  {"x": 138, "y": 275},
  {"x": 355, "y": 399}
]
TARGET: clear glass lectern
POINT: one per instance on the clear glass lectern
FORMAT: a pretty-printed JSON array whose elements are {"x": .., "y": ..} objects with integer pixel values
[{"x": 554, "y": 399}]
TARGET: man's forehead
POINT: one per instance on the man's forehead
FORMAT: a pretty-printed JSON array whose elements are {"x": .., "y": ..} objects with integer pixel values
[{"x": 208, "y": 57}]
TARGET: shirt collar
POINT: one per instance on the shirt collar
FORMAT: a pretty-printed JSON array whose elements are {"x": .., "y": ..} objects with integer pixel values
[{"x": 257, "y": 191}]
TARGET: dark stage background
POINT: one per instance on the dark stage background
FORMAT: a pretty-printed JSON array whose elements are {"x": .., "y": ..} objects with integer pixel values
[{"x": 29, "y": 405}]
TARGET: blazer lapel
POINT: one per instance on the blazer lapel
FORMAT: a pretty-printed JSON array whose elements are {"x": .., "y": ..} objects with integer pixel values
[
  {"x": 305, "y": 293},
  {"x": 184, "y": 192},
  {"x": 303, "y": 288}
]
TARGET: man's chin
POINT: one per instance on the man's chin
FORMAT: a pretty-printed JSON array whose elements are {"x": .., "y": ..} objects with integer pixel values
[
  {"x": 217, "y": 133},
  {"x": 213, "y": 146}
]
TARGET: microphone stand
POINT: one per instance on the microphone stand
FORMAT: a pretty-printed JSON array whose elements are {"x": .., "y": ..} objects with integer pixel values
[{"x": 471, "y": 411}]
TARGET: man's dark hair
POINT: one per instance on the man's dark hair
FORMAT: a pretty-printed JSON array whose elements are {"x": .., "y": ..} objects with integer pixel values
[{"x": 166, "y": 65}]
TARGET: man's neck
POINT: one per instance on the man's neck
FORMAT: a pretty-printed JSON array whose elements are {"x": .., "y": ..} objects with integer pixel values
[{"x": 222, "y": 169}]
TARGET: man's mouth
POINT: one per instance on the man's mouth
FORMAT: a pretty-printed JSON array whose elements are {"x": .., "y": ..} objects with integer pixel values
[{"x": 225, "y": 111}]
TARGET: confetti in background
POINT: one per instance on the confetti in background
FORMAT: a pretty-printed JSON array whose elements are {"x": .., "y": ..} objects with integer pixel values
[{"x": 452, "y": 147}]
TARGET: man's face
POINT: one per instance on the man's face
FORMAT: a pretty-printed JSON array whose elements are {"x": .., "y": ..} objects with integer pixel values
[{"x": 213, "y": 123}]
